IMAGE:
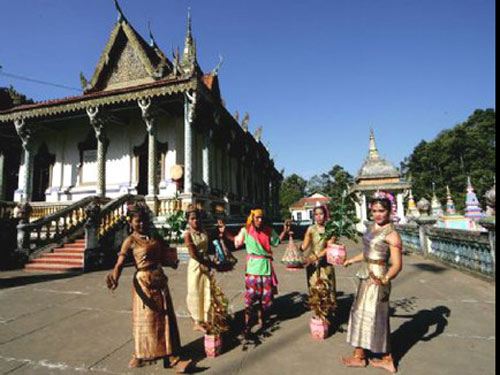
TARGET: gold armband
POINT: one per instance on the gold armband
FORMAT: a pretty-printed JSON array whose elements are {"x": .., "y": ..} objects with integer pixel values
[{"x": 384, "y": 279}]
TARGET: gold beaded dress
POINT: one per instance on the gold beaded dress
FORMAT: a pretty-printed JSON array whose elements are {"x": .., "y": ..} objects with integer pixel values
[{"x": 369, "y": 318}]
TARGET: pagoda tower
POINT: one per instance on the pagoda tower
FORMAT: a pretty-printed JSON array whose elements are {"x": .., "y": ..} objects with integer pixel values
[
  {"x": 450, "y": 205},
  {"x": 472, "y": 208},
  {"x": 412, "y": 207},
  {"x": 436, "y": 209}
]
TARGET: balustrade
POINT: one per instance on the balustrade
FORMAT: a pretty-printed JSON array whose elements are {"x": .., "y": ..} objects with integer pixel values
[
  {"x": 410, "y": 237},
  {"x": 41, "y": 232},
  {"x": 469, "y": 250},
  {"x": 168, "y": 206},
  {"x": 113, "y": 214},
  {"x": 43, "y": 209}
]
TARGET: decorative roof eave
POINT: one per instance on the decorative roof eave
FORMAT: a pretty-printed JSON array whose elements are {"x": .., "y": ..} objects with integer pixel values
[
  {"x": 73, "y": 104},
  {"x": 375, "y": 187}
]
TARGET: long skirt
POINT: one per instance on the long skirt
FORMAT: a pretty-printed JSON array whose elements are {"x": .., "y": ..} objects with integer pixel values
[
  {"x": 154, "y": 325},
  {"x": 326, "y": 272},
  {"x": 369, "y": 318},
  {"x": 198, "y": 292}
]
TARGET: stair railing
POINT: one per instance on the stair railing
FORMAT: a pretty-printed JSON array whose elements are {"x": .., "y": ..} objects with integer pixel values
[
  {"x": 52, "y": 228},
  {"x": 113, "y": 214}
]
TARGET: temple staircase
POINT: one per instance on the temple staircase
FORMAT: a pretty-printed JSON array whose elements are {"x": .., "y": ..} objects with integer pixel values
[
  {"x": 76, "y": 238},
  {"x": 68, "y": 258}
]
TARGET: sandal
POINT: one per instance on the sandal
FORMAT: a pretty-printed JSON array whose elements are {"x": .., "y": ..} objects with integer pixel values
[{"x": 385, "y": 363}]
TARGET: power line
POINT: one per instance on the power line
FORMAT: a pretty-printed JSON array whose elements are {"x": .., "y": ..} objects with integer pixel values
[{"x": 22, "y": 78}]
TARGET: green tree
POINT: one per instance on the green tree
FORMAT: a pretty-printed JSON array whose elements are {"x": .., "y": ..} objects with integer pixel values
[
  {"x": 468, "y": 149},
  {"x": 292, "y": 189}
]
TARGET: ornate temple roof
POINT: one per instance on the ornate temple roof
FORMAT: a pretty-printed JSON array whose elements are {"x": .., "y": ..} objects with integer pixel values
[
  {"x": 376, "y": 167},
  {"x": 377, "y": 173}
]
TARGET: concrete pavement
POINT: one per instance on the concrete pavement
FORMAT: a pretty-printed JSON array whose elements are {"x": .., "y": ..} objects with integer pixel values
[{"x": 443, "y": 323}]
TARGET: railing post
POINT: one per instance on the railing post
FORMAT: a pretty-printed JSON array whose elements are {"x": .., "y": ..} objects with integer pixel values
[
  {"x": 489, "y": 224},
  {"x": 92, "y": 211},
  {"x": 23, "y": 233},
  {"x": 424, "y": 222}
]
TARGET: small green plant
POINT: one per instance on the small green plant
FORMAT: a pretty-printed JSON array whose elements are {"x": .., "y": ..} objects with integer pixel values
[
  {"x": 173, "y": 228},
  {"x": 342, "y": 221}
]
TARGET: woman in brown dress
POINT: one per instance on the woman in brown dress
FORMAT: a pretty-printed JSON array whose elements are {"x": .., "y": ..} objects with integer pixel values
[
  {"x": 369, "y": 318},
  {"x": 154, "y": 325}
]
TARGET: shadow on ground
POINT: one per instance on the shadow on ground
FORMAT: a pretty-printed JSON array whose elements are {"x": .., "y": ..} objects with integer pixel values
[
  {"x": 417, "y": 329},
  {"x": 10, "y": 282},
  {"x": 288, "y": 306},
  {"x": 429, "y": 267}
]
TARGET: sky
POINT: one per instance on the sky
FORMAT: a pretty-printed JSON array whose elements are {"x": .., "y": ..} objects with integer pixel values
[{"x": 316, "y": 74}]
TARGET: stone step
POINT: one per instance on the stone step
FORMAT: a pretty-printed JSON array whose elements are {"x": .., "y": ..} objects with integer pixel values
[
  {"x": 63, "y": 255},
  {"x": 69, "y": 250},
  {"x": 52, "y": 268},
  {"x": 70, "y": 261}
]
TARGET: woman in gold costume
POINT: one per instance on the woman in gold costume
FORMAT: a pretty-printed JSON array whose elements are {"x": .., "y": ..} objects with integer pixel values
[
  {"x": 314, "y": 247},
  {"x": 369, "y": 318},
  {"x": 154, "y": 325}
]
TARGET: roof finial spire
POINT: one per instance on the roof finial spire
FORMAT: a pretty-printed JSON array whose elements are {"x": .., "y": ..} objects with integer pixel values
[
  {"x": 152, "y": 41},
  {"x": 188, "y": 61},
  {"x": 189, "y": 33},
  {"x": 373, "y": 152},
  {"x": 121, "y": 16}
]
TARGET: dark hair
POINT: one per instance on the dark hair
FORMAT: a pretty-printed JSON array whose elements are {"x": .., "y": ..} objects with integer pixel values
[
  {"x": 138, "y": 210},
  {"x": 191, "y": 210},
  {"x": 383, "y": 201},
  {"x": 322, "y": 208}
]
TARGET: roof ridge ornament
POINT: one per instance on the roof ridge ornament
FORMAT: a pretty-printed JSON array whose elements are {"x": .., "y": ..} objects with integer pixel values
[
  {"x": 152, "y": 42},
  {"x": 245, "y": 121},
  {"x": 121, "y": 16},
  {"x": 215, "y": 71}
]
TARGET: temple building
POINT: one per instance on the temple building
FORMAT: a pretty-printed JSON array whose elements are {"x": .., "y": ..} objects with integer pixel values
[
  {"x": 378, "y": 174},
  {"x": 144, "y": 124}
]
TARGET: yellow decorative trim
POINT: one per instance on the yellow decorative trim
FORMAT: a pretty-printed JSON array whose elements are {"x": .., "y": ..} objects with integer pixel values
[{"x": 83, "y": 103}]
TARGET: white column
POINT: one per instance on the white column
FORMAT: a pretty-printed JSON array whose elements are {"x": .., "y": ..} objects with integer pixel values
[
  {"x": 400, "y": 208},
  {"x": 364, "y": 215},
  {"x": 206, "y": 159},
  {"x": 189, "y": 110}
]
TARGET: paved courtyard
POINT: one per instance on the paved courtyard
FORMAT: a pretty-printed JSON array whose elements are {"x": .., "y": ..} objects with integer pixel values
[{"x": 442, "y": 323}]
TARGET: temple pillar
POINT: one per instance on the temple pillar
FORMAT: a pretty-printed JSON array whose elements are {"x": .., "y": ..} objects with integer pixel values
[
  {"x": 189, "y": 112},
  {"x": 400, "y": 208},
  {"x": 205, "y": 156},
  {"x": 24, "y": 132},
  {"x": 97, "y": 123},
  {"x": 149, "y": 119},
  {"x": 364, "y": 213},
  {"x": 2, "y": 176}
]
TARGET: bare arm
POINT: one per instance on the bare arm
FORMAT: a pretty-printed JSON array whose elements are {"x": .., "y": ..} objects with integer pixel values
[
  {"x": 113, "y": 277},
  {"x": 307, "y": 240},
  {"x": 395, "y": 247},
  {"x": 188, "y": 241},
  {"x": 355, "y": 259},
  {"x": 239, "y": 239}
]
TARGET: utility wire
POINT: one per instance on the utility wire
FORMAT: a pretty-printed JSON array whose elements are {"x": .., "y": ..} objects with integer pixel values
[{"x": 15, "y": 76}]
